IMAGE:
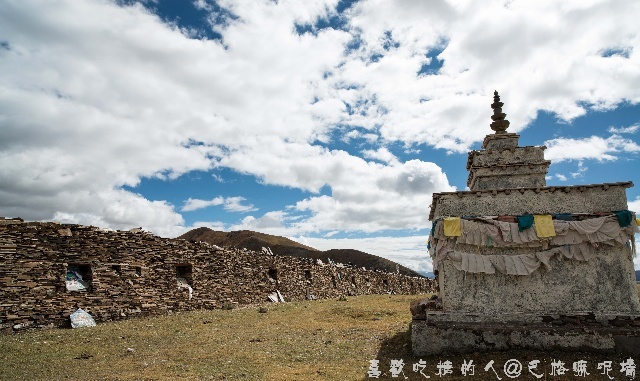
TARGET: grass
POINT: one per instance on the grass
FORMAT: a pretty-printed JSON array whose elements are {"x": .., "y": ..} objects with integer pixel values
[{"x": 312, "y": 340}]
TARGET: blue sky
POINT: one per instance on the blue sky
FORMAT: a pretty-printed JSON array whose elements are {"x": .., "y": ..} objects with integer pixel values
[{"x": 329, "y": 122}]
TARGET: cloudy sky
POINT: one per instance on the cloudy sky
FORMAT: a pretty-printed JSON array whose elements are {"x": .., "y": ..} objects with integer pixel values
[{"x": 330, "y": 122}]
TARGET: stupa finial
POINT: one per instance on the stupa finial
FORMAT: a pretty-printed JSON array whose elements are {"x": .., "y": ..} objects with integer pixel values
[{"x": 500, "y": 124}]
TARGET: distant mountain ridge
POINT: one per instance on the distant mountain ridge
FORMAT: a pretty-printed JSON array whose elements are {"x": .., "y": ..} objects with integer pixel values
[
  {"x": 638, "y": 276},
  {"x": 283, "y": 246}
]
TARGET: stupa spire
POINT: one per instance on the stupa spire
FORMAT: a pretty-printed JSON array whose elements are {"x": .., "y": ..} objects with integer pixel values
[{"x": 500, "y": 124}]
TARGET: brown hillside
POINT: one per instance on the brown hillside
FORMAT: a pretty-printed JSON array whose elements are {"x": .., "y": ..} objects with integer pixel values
[
  {"x": 283, "y": 246},
  {"x": 243, "y": 238}
]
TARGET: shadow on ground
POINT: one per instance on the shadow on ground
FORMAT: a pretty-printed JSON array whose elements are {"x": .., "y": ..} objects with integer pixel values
[{"x": 492, "y": 365}]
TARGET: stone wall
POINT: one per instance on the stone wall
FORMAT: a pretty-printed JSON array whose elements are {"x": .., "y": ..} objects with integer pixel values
[{"x": 136, "y": 274}]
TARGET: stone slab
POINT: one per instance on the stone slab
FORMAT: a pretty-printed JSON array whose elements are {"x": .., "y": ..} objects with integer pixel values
[
  {"x": 428, "y": 339},
  {"x": 547, "y": 200}
]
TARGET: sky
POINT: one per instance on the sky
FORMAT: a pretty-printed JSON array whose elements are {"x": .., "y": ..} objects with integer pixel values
[{"x": 331, "y": 122}]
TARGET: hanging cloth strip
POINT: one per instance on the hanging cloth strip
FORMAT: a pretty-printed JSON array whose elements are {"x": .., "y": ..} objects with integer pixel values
[
  {"x": 523, "y": 264},
  {"x": 525, "y": 222},
  {"x": 571, "y": 235},
  {"x": 504, "y": 234},
  {"x": 564, "y": 217},
  {"x": 624, "y": 218},
  {"x": 452, "y": 227},
  {"x": 544, "y": 226}
]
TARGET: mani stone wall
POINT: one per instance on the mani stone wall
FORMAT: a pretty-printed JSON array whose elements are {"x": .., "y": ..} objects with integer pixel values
[
  {"x": 136, "y": 274},
  {"x": 602, "y": 285}
]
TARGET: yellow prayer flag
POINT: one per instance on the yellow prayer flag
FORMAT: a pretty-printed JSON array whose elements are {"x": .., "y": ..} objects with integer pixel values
[
  {"x": 637, "y": 221},
  {"x": 544, "y": 226},
  {"x": 452, "y": 227}
]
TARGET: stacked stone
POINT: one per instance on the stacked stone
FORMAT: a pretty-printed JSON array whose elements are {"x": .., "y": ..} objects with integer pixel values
[{"x": 135, "y": 274}]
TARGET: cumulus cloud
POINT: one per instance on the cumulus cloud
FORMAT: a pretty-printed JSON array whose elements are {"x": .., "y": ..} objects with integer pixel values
[
  {"x": 202, "y": 4},
  {"x": 95, "y": 97},
  {"x": 270, "y": 222},
  {"x": 382, "y": 154},
  {"x": 234, "y": 204},
  {"x": 82, "y": 119},
  {"x": 634, "y": 205},
  {"x": 594, "y": 147},
  {"x": 582, "y": 169},
  {"x": 213, "y": 225},
  {"x": 539, "y": 55},
  {"x": 357, "y": 134},
  {"x": 372, "y": 197},
  {"x": 231, "y": 204},
  {"x": 624, "y": 130},
  {"x": 194, "y": 204}
]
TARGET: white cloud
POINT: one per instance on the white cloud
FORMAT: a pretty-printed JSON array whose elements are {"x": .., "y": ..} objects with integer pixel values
[
  {"x": 194, "y": 204},
  {"x": 357, "y": 134},
  {"x": 634, "y": 206},
  {"x": 202, "y": 4},
  {"x": 382, "y": 154},
  {"x": 594, "y": 147},
  {"x": 270, "y": 222},
  {"x": 231, "y": 204},
  {"x": 95, "y": 97},
  {"x": 116, "y": 209},
  {"x": 217, "y": 225},
  {"x": 561, "y": 177},
  {"x": 234, "y": 204},
  {"x": 624, "y": 130},
  {"x": 550, "y": 54},
  {"x": 580, "y": 171},
  {"x": 371, "y": 197},
  {"x": 365, "y": 196}
]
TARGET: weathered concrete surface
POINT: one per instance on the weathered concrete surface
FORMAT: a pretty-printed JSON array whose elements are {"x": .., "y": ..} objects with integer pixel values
[
  {"x": 505, "y": 156},
  {"x": 515, "y": 176},
  {"x": 604, "y": 284},
  {"x": 507, "y": 167},
  {"x": 428, "y": 339},
  {"x": 548, "y": 200},
  {"x": 500, "y": 141}
]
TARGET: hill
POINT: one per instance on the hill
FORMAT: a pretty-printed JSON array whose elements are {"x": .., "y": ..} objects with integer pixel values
[
  {"x": 242, "y": 238},
  {"x": 283, "y": 246}
]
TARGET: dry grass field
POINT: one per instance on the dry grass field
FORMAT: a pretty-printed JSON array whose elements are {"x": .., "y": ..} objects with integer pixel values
[{"x": 312, "y": 340}]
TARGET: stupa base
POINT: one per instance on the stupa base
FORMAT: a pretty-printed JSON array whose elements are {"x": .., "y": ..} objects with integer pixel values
[{"x": 444, "y": 333}]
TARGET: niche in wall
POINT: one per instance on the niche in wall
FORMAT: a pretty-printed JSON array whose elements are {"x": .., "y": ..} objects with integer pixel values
[
  {"x": 185, "y": 271},
  {"x": 79, "y": 277}
]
